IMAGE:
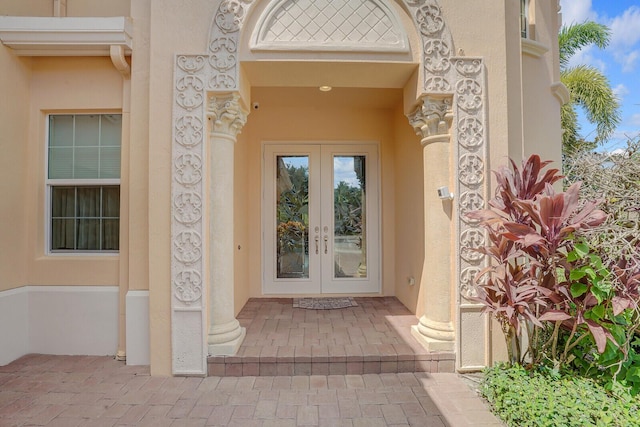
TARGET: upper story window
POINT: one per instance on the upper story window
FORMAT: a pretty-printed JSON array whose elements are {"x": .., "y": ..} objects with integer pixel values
[
  {"x": 83, "y": 182},
  {"x": 524, "y": 19}
]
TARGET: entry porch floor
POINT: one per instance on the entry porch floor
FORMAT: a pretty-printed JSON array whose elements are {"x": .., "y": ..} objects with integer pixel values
[{"x": 372, "y": 338}]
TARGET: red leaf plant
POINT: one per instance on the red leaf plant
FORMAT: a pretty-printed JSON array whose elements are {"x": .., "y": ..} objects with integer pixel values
[{"x": 531, "y": 229}]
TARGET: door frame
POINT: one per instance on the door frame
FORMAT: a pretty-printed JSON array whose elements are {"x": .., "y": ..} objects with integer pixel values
[{"x": 374, "y": 257}]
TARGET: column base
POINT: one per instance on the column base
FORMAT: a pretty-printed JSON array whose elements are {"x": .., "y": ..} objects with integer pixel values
[
  {"x": 225, "y": 339},
  {"x": 433, "y": 335},
  {"x": 228, "y": 348},
  {"x": 431, "y": 344}
]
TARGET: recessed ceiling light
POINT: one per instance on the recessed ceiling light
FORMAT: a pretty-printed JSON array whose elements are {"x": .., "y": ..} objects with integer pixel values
[{"x": 325, "y": 88}]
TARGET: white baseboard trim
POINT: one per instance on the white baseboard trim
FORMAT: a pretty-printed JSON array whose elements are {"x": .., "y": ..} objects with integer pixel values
[
  {"x": 137, "y": 328},
  {"x": 66, "y": 320}
]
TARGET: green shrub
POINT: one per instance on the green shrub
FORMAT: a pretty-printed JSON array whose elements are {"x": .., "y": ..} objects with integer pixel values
[
  {"x": 529, "y": 398},
  {"x": 560, "y": 306}
]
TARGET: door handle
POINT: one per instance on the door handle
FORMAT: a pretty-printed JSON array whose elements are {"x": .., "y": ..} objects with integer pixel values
[
  {"x": 317, "y": 238},
  {"x": 325, "y": 243}
]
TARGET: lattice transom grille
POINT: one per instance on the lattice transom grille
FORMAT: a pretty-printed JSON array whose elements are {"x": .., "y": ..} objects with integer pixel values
[{"x": 327, "y": 22}]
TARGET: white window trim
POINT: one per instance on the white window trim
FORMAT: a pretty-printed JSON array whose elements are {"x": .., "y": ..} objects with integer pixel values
[{"x": 50, "y": 183}]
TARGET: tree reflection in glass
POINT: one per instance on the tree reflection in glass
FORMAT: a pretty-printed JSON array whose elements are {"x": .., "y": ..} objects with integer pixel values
[
  {"x": 292, "y": 216},
  {"x": 349, "y": 206}
]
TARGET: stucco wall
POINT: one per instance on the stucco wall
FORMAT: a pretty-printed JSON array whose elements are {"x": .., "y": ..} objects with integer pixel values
[
  {"x": 497, "y": 40},
  {"x": 541, "y": 114},
  {"x": 14, "y": 118},
  {"x": 139, "y": 150},
  {"x": 409, "y": 224},
  {"x": 70, "y": 85},
  {"x": 292, "y": 115},
  {"x": 98, "y": 7},
  {"x": 74, "y": 7},
  {"x": 26, "y": 7}
]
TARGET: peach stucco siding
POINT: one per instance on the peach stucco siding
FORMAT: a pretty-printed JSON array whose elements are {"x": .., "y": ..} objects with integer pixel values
[
  {"x": 372, "y": 94},
  {"x": 14, "y": 108}
]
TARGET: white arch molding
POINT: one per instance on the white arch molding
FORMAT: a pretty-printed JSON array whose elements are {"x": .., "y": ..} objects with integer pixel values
[{"x": 206, "y": 110}]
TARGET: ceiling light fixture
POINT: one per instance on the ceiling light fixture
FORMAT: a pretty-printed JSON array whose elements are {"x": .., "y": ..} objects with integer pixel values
[{"x": 325, "y": 88}]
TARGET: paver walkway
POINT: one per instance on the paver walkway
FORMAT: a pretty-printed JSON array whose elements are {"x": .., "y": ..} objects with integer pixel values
[{"x": 70, "y": 391}]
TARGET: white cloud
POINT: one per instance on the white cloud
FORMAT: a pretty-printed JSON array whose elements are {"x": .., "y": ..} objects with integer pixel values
[
  {"x": 585, "y": 56},
  {"x": 628, "y": 60},
  {"x": 624, "y": 28},
  {"x": 621, "y": 91},
  {"x": 625, "y": 37},
  {"x": 343, "y": 170},
  {"x": 576, "y": 11}
]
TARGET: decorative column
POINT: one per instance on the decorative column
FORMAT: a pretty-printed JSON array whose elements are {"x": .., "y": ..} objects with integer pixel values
[
  {"x": 432, "y": 122},
  {"x": 226, "y": 118}
]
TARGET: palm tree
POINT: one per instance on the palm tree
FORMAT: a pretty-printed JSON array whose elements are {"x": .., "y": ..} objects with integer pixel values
[{"x": 589, "y": 88}]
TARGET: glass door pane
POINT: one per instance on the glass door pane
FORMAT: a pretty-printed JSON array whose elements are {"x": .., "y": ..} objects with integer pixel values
[
  {"x": 320, "y": 219},
  {"x": 349, "y": 206},
  {"x": 292, "y": 217}
]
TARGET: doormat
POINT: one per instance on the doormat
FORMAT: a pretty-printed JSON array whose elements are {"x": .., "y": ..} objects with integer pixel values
[{"x": 324, "y": 303}]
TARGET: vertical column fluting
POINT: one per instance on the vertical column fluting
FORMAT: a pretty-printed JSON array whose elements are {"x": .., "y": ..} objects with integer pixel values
[
  {"x": 432, "y": 122},
  {"x": 227, "y": 119}
]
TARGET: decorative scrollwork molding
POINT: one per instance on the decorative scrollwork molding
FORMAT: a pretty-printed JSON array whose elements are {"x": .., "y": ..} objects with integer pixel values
[
  {"x": 223, "y": 54},
  {"x": 437, "y": 84},
  {"x": 230, "y": 15},
  {"x": 436, "y": 56},
  {"x": 470, "y": 240},
  {"x": 227, "y": 114},
  {"x": 469, "y": 94},
  {"x": 470, "y": 201},
  {"x": 223, "y": 44},
  {"x": 222, "y": 82},
  {"x": 471, "y": 169},
  {"x": 470, "y": 132},
  {"x": 187, "y": 207},
  {"x": 188, "y": 169},
  {"x": 188, "y": 286},
  {"x": 468, "y": 67},
  {"x": 189, "y": 131},
  {"x": 190, "y": 92},
  {"x": 468, "y": 282},
  {"x": 429, "y": 19},
  {"x": 188, "y": 247},
  {"x": 191, "y": 64}
]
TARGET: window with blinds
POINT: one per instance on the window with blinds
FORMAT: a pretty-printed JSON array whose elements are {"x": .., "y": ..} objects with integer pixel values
[{"x": 83, "y": 180}]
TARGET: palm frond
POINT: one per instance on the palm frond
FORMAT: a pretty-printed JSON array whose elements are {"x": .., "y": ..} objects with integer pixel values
[
  {"x": 591, "y": 90},
  {"x": 576, "y": 36}
]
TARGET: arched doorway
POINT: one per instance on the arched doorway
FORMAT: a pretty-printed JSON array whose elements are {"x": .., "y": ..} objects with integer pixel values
[{"x": 444, "y": 101}]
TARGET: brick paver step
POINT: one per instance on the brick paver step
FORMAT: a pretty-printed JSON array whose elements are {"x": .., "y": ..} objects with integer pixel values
[{"x": 372, "y": 338}]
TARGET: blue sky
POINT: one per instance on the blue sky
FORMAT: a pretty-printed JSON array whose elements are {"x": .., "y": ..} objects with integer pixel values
[{"x": 620, "y": 61}]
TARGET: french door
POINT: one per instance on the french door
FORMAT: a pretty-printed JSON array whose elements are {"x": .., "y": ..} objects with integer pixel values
[{"x": 320, "y": 219}]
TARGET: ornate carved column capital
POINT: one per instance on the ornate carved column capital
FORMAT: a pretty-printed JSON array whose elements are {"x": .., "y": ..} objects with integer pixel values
[
  {"x": 432, "y": 119},
  {"x": 226, "y": 114}
]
